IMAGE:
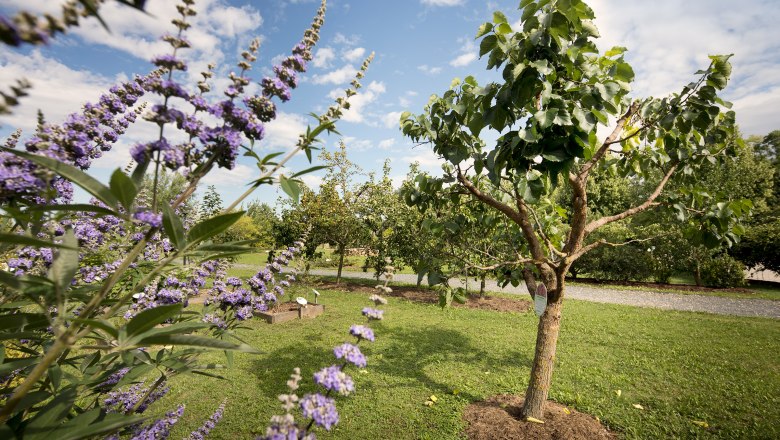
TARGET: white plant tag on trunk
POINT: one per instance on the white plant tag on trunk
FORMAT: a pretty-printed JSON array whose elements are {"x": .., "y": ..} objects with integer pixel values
[{"x": 540, "y": 299}]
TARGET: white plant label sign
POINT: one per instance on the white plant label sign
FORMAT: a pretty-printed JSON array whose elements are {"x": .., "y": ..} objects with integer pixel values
[{"x": 540, "y": 299}]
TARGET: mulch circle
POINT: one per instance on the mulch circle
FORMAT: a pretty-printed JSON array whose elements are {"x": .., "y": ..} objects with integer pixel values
[
  {"x": 498, "y": 418},
  {"x": 428, "y": 296}
]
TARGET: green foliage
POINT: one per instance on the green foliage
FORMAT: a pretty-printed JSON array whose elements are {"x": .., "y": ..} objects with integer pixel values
[
  {"x": 211, "y": 204},
  {"x": 630, "y": 262},
  {"x": 723, "y": 271}
]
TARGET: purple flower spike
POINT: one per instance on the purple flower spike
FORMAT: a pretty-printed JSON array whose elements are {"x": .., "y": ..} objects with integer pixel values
[
  {"x": 370, "y": 313},
  {"x": 320, "y": 409},
  {"x": 350, "y": 353},
  {"x": 362, "y": 332},
  {"x": 208, "y": 425},
  {"x": 148, "y": 217},
  {"x": 332, "y": 378}
]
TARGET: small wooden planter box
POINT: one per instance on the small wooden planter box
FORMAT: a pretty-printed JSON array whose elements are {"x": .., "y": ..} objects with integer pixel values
[{"x": 310, "y": 311}]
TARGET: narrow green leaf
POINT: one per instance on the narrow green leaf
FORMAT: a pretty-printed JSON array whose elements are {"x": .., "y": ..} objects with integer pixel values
[
  {"x": 113, "y": 422},
  {"x": 173, "y": 227},
  {"x": 123, "y": 188},
  {"x": 309, "y": 170},
  {"x": 66, "y": 263},
  {"x": 290, "y": 187},
  {"x": 31, "y": 241},
  {"x": 196, "y": 341},
  {"x": 50, "y": 416},
  {"x": 75, "y": 175},
  {"x": 151, "y": 317},
  {"x": 212, "y": 226}
]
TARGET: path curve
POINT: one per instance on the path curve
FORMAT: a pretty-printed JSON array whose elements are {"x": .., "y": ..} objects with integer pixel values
[{"x": 662, "y": 300}]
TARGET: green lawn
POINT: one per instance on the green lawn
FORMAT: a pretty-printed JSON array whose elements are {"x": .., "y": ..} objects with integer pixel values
[{"x": 679, "y": 366}]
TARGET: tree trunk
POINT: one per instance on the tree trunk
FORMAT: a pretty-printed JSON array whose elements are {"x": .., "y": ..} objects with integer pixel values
[
  {"x": 341, "y": 250},
  {"x": 482, "y": 285},
  {"x": 544, "y": 358},
  {"x": 697, "y": 274}
]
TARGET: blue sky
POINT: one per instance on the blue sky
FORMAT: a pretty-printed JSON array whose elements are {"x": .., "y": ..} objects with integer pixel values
[{"x": 420, "y": 46}]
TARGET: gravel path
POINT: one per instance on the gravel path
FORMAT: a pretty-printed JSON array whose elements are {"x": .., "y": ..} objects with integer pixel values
[{"x": 670, "y": 301}]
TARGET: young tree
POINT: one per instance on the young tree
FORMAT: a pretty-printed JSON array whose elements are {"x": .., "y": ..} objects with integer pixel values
[
  {"x": 556, "y": 89},
  {"x": 211, "y": 204}
]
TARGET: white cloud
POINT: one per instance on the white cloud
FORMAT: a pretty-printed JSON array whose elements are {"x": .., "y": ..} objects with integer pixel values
[
  {"x": 441, "y": 2},
  {"x": 345, "y": 40},
  {"x": 355, "y": 144},
  {"x": 312, "y": 181},
  {"x": 323, "y": 57},
  {"x": 386, "y": 144},
  {"x": 283, "y": 131},
  {"x": 358, "y": 104},
  {"x": 464, "y": 59},
  {"x": 339, "y": 76},
  {"x": 390, "y": 120},
  {"x": 428, "y": 70},
  {"x": 225, "y": 179},
  {"x": 353, "y": 55},
  {"x": 427, "y": 159},
  {"x": 468, "y": 53},
  {"x": 669, "y": 40},
  {"x": 62, "y": 89}
]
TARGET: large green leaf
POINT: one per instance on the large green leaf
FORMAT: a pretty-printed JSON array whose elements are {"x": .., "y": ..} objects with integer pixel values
[
  {"x": 31, "y": 241},
  {"x": 290, "y": 187},
  {"x": 123, "y": 188},
  {"x": 151, "y": 317},
  {"x": 50, "y": 416},
  {"x": 212, "y": 226},
  {"x": 173, "y": 227},
  {"x": 66, "y": 263},
  {"x": 88, "y": 425},
  {"x": 196, "y": 341},
  {"x": 75, "y": 175}
]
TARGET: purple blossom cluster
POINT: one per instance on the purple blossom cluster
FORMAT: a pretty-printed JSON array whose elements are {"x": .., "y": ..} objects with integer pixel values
[
  {"x": 126, "y": 401},
  {"x": 112, "y": 379},
  {"x": 373, "y": 314},
  {"x": 208, "y": 425},
  {"x": 321, "y": 409},
  {"x": 332, "y": 378},
  {"x": 362, "y": 332},
  {"x": 160, "y": 428},
  {"x": 83, "y": 137},
  {"x": 350, "y": 353}
]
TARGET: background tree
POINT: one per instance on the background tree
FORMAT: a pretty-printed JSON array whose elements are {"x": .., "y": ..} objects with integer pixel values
[
  {"x": 556, "y": 89},
  {"x": 211, "y": 203},
  {"x": 334, "y": 210},
  {"x": 264, "y": 219},
  {"x": 381, "y": 209}
]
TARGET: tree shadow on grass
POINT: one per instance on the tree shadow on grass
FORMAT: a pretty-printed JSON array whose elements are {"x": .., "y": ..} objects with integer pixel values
[
  {"x": 415, "y": 350},
  {"x": 408, "y": 354}
]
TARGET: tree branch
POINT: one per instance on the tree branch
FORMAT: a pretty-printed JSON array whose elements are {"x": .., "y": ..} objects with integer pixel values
[
  {"x": 599, "y": 243},
  {"x": 611, "y": 139},
  {"x": 649, "y": 203}
]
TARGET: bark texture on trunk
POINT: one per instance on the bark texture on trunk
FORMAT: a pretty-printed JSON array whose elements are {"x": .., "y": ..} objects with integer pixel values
[
  {"x": 482, "y": 285},
  {"x": 544, "y": 359},
  {"x": 341, "y": 264}
]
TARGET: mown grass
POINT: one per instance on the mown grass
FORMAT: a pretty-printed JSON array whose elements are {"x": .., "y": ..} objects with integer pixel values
[{"x": 681, "y": 367}]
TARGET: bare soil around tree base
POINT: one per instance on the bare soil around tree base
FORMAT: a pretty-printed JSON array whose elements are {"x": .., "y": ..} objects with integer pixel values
[
  {"x": 427, "y": 296},
  {"x": 498, "y": 418}
]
